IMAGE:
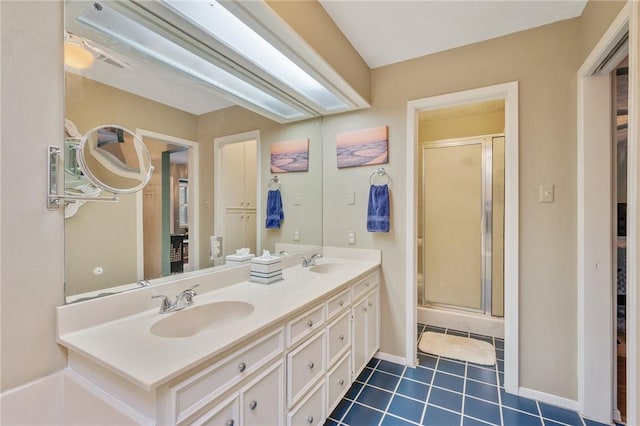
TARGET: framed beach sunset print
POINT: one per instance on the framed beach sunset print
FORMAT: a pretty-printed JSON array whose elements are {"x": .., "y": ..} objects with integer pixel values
[
  {"x": 290, "y": 156},
  {"x": 363, "y": 147}
]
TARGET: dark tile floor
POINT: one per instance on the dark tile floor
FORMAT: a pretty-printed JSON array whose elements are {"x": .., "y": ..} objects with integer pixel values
[{"x": 443, "y": 392}]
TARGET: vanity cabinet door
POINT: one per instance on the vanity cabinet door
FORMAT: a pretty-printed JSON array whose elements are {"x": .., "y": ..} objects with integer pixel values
[
  {"x": 365, "y": 330},
  {"x": 305, "y": 365},
  {"x": 338, "y": 381},
  {"x": 338, "y": 338},
  {"x": 263, "y": 398}
]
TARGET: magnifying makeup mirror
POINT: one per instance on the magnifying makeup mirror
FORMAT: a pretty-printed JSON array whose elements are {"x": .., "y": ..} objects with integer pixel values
[{"x": 114, "y": 159}]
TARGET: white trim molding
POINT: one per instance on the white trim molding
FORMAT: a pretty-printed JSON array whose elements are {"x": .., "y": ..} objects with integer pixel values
[
  {"x": 596, "y": 349},
  {"x": 548, "y": 398},
  {"x": 508, "y": 92}
]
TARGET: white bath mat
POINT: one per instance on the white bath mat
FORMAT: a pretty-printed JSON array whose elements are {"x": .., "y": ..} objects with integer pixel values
[{"x": 457, "y": 347}]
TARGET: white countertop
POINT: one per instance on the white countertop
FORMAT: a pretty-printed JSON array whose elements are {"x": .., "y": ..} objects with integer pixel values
[{"x": 126, "y": 346}]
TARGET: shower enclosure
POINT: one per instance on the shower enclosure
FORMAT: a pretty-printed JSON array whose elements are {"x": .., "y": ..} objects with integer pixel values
[{"x": 462, "y": 227}]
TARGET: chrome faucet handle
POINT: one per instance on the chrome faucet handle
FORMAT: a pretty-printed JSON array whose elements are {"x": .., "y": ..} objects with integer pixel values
[
  {"x": 313, "y": 258},
  {"x": 165, "y": 304},
  {"x": 305, "y": 261},
  {"x": 144, "y": 283},
  {"x": 187, "y": 295}
]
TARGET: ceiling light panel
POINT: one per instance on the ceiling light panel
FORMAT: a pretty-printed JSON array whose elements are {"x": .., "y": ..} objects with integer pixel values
[{"x": 226, "y": 28}]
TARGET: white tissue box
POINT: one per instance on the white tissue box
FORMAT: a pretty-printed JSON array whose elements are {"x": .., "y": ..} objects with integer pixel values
[
  {"x": 266, "y": 266},
  {"x": 261, "y": 280},
  {"x": 240, "y": 257}
]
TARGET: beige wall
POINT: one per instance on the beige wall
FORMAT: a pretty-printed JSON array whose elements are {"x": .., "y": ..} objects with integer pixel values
[
  {"x": 544, "y": 61},
  {"x": 461, "y": 127},
  {"x": 32, "y": 86}
]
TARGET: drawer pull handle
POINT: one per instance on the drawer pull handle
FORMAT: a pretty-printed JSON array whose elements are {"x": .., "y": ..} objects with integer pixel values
[
  {"x": 310, "y": 323},
  {"x": 310, "y": 419},
  {"x": 341, "y": 303},
  {"x": 242, "y": 366},
  {"x": 311, "y": 364},
  {"x": 253, "y": 405},
  {"x": 229, "y": 423},
  {"x": 341, "y": 337}
]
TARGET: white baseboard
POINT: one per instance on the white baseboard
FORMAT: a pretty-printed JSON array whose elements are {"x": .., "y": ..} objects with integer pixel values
[
  {"x": 392, "y": 358},
  {"x": 548, "y": 398},
  {"x": 45, "y": 393}
]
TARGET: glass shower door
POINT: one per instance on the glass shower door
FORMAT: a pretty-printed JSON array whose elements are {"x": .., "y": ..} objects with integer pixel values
[{"x": 453, "y": 228}]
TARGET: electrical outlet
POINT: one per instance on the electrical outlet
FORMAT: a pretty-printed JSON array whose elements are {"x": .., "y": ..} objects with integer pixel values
[
  {"x": 351, "y": 237},
  {"x": 216, "y": 247},
  {"x": 296, "y": 234},
  {"x": 297, "y": 199}
]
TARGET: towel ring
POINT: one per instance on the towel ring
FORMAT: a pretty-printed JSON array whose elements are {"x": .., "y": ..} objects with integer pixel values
[
  {"x": 381, "y": 172},
  {"x": 274, "y": 183}
]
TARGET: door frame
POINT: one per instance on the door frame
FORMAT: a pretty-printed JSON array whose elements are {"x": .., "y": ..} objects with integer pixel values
[
  {"x": 194, "y": 192},
  {"x": 508, "y": 92},
  {"x": 595, "y": 232}
]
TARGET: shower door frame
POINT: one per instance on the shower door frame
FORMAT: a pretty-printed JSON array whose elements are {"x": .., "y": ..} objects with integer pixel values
[{"x": 486, "y": 221}]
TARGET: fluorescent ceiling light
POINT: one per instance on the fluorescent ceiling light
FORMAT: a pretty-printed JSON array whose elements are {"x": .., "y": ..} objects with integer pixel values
[
  {"x": 141, "y": 38},
  {"x": 225, "y": 27}
]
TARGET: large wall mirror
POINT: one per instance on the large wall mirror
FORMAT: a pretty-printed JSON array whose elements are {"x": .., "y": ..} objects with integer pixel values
[{"x": 166, "y": 228}]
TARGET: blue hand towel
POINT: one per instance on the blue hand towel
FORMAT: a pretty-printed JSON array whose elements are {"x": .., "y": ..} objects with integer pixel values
[
  {"x": 275, "y": 214},
  {"x": 378, "y": 211}
]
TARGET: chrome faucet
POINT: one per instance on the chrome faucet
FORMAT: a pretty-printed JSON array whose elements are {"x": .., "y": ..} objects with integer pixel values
[
  {"x": 144, "y": 283},
  {"x": 184, "y": 299},
  {"x": 310, "y": 261}
]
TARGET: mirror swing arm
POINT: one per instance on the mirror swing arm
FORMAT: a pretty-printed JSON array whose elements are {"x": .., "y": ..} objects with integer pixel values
[
  {"x": 55, "y": 180},
  {"x": 104, "y": 163}
]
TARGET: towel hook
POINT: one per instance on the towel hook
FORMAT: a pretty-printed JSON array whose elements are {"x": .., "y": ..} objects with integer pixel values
[
  {"x": 380, "y": 171},
  {"x": 274, "y": 183}
]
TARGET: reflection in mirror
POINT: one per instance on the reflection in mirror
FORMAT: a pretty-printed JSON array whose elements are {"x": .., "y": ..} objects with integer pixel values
[
  {"x": 114, "y": 159},
  {"x": 111, "y": 246}
]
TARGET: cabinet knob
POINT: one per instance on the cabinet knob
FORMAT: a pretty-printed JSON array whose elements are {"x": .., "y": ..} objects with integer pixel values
[
  {"x": 230, "y": 423},
  {"x": 253, "y": 404},
  {"x": 248, "y": 203},
  {"x": 242, "y": 366},
  {"x": 365, "y": 309},
  {"x": 341, "y": 337},
  {"x": 341, "y": 303},
  {"x": 368, "y": 284},
  {"x": 370, "y": 304},
  {"x": 310, "y": 323},
  {"x": 310, "y": 419},
  {"x": 311, "y": 364},
  {"x": 341, "y": 382},
  {"x": 241, "y": 204}
]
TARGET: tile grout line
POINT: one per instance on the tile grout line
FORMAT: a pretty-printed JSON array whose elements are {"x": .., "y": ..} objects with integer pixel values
[
  {"x": 393, "y": 394},
  {"x": 464, "y": 390},
  {"x": 426, "y": 402},
  {"x": 498, "y": 382}
]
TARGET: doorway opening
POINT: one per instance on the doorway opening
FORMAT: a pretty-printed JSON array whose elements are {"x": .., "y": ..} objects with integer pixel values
[
  {"x": 506, "y": 95},
  {"x": 168, "y": 229}
]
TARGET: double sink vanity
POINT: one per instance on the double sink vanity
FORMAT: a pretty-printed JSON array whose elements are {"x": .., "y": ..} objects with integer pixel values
[{"x": 242, "y": 354}]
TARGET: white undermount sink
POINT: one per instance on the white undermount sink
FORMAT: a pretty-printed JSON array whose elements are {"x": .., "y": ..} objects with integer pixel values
[
  {"x": 330, "y": 268},
  {"x": 196, "y": 319}
]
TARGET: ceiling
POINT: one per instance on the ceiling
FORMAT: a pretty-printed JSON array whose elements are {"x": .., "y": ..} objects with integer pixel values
[{"x": 393, "y": 31}]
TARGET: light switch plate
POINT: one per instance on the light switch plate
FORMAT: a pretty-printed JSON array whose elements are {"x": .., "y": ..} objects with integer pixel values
[
  {"x": 351, "y": 237},
  {"x": 297, "y": 201},
  {"x": 546, "y": 193},
  {"x": 351, "y": 198}
]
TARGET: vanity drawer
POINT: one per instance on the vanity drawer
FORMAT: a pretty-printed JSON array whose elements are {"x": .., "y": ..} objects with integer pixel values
[
  {"x": 366, "y": 284},
  {"x": 226, "y": 414},
  {"x": 339, "y": 381},
  {"x": 338, "y": 303},
  {"x": 311, "y": 410},
  {"x": 305, "y": 324},
  {"x": 338, "y": 338},
  {"x": 304, "y": 366},
  {"x": 192, "y": 394}
]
